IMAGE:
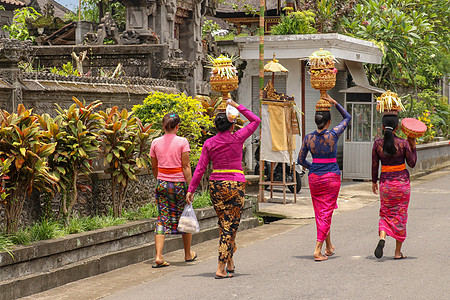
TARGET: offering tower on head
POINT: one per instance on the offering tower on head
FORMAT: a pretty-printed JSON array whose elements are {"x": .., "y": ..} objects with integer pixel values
[
  {"x": 323, "y": 75},
  {"x": 224, "y": 77}
]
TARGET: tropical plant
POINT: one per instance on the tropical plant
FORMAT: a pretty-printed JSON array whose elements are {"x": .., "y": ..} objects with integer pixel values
[
  {"x": 66, "y": 70},
  {"x": 209, "y": 26},
  {"x": 299, "y": 22},
  {"x": 329, "y": 13},
  {"x": 90, "y": 12},
  {"x": 18, "y": 28},
  {"x": 404, "y": 31},
  {"x": 125, "y": 145},
  {"x": 194, "y": 122},
  {"x": 74, "y": 131},
  {"x": 432, "y": 109},
  {"x": 25, "y": 153}
]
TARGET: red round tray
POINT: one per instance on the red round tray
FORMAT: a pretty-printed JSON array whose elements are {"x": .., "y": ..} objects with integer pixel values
[{"x": 413, "y": 127}]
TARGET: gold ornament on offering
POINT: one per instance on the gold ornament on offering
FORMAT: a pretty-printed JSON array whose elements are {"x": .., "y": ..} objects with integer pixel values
[
  {"x": 323, "y": 76},
  {"x": 389, "y": 103},
  {"x": 323, "y": 105},
  {"x": 224, "y": 77}
]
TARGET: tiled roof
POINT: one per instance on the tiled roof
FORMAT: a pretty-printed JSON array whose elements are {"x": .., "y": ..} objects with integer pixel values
[{"x": 12, "y": 2}]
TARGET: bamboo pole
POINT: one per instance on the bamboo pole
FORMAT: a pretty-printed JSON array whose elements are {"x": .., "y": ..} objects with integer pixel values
[{"x": 261, "y": 87}]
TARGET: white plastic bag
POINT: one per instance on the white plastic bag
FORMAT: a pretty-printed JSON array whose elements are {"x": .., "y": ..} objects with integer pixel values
[
  {"x": 232, "y": 113},
  {"x": 188, "y": 220}
]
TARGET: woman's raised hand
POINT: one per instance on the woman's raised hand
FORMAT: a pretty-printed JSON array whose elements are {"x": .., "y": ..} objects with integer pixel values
[
  {"x": 331, "y": 100},
  {"x": 189, "y": 198},
  {"x": 232, "y": 103}
]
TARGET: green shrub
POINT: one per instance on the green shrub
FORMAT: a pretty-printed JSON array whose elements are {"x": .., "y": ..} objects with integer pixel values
[
  {"x": 194, "y": 122},
  {"x": 432, "y": 109},
  {"x": 299, "y": 22}
]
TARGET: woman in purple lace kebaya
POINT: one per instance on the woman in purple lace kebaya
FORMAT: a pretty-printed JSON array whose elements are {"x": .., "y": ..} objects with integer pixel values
[
  {"x": 324, "y": 175},
  {"x": 227, "y": 181},
  {"x": 395, "y": 188}
]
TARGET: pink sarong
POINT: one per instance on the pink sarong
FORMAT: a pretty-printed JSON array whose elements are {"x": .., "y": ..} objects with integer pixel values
[
  {"x": 394, "y": 198},
  {"x": 324, "y": 192}
]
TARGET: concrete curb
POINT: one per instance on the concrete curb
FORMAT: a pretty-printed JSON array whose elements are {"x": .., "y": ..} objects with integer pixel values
[
  {"x": 32, "y": 284},
  {"x": 48, "y": 264}
]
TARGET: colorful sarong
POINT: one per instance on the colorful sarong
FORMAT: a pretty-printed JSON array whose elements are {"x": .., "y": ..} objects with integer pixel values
[
  {"x": 394, "y": 198},
  {"x": 228, "y": 200},
  {"x": 171, "y": 199},
  {"x": 324, "y": 192}
]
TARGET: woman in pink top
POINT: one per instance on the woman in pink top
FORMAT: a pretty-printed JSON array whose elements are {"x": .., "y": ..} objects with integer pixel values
[
  {"x": 171, "y": 167},
  {"x": 227, "y": 181}
]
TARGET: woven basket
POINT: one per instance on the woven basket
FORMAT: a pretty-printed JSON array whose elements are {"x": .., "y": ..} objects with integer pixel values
[
  {"x": 323, "y": 105},
  {"x": 223, "y": 84},
  {"x": 323, "y": 81}
]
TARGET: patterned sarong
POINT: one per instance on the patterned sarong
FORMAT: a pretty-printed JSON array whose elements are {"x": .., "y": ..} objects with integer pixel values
[
  {"x": 228, "y": 200},
  {"x": 394, "y": 198},
  {"x": 171, "y": 199},
  {"x": 324, "y": 192}
]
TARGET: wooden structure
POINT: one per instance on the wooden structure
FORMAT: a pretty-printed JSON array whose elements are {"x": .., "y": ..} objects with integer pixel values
[{"x": 289, "y": 125}]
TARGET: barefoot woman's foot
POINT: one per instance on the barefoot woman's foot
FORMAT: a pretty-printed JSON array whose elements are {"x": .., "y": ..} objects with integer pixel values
[
  {"x": 320, "y": 257},
  {"x": 329, "y": 252}
]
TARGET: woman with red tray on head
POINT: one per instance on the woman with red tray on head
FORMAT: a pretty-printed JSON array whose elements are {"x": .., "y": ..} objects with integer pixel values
[{"x": 395, "y": 188}]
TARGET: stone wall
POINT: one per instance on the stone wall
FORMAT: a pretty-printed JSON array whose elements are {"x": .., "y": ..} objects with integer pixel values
[
  {"x": 137, "y": 60},
  {"x": 41, "y": 91},
  {"x": 430, "y": 157}
]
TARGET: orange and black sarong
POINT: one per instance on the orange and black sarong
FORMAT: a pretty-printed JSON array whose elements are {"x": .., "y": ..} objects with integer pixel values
[{"x": 228, "y": 200}]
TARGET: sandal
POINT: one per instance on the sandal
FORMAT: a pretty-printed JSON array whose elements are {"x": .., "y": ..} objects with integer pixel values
[{"x": 223, "y": 277}]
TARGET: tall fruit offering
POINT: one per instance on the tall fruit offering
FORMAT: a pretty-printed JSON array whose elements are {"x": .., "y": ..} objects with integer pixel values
[
  {"x": 323, "y": 75},
  {"x": 224, "y": 77}
]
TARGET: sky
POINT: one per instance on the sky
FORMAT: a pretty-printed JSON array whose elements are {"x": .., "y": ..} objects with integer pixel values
[{"x": 70, "y": 4}]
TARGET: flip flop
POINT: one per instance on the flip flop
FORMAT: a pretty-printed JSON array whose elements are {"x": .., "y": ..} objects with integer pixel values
[
  {"x": 379, "y": 249},
  {"x": 192, "y": 259},
  {"x": 223, "y": 277},
  {"x": 231, "y": 271},
  {"x": 401, "y": 257},
  {"x": 162, "y": 265}
]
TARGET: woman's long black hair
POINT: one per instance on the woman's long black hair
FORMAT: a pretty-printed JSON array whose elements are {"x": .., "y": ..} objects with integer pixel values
[
  {"x": 390, "y": 123},
  {"x": 321, "y": 119}
]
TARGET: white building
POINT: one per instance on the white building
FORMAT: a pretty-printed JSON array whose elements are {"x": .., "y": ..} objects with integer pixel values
[{"x": 292, "y": 51}]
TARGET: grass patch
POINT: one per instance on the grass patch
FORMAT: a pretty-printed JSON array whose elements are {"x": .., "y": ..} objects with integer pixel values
[
  {"x": 45, "y": 230},
  {"x": 49, "y": 229},
  {"x": 202, "y": 200}
]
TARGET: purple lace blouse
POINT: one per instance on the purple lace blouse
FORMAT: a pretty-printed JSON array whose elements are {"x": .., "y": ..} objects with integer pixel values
[
  {"x": 323, "y": 145},
  {"x": 404, "y": 153}
]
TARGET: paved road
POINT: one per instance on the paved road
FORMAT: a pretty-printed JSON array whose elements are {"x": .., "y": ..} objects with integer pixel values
[
  {"x": 282, "y": 267},
  {"x": 275, "y": 261}
]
